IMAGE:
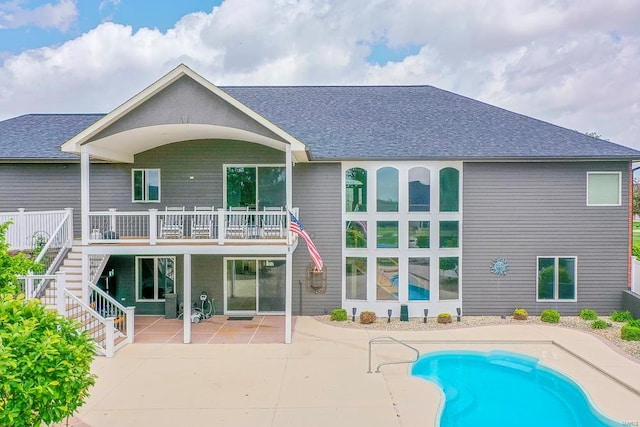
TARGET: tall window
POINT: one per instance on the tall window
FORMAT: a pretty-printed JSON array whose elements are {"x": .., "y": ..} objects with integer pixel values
[
  {"x": 419, "y": 189},
  {"x": 386, "y": 279},
  {"x": 387, "y": 234},
  {"x": 449, "y": 234},
  {"x": 449, "y": 190},
  {"x": 356, "y": 190},
  {"x": 419, "y": 273},
  {"x": 145, "y": 185},
  {"x": 356, "y": 234},
  {"x": 419, "y": 234},
  {"x": 557, "y": 278},
  {"x": 603, "y": 188},
  {"x": 356, "y": 278},
  {"x": 387, "y": 190},
  {"x": 155, "y": 277},
  {"x": 256, "y": 186},
  {"x": 449, "y": 283}
]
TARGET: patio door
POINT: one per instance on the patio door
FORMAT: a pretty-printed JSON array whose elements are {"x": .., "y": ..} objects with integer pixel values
[{"x": 254, "y": 285}]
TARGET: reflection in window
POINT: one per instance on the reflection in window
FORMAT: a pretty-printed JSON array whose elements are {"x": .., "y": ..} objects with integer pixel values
[
  {"x": 356, "y": 278},
  {"x": 146, "y": 185},
  {"x": 241, "y": 187},
  {"x": 419, "y": 271},
  {"x": 603, "y": 188},
  {"x": 387, "y": 279},
  {"x": 448, "y": 278},
  {"x": 356, "y": 190},
  {"x": 155, "y": 277},
  {"x": 418, "y": 234},
  {"x": 387, "y": 189},
  {"x": 356, "y": 234},
  {"x": 387, "y": 234},
  {"x": 250, "y": 185},
  {"x": 449, "y": 234},
  {"x": 557, "y": 278},
  {"x": 449, "y": 190},
  {"x": 419, "y": 187}
]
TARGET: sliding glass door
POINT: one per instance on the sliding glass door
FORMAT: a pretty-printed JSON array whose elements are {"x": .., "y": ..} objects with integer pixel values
[
  {"x": 255, "y": 285},
  {"x": 255, "y": 186}
]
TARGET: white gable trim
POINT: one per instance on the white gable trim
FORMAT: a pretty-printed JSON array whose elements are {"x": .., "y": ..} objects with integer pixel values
[{"x": 73, "y": 144}]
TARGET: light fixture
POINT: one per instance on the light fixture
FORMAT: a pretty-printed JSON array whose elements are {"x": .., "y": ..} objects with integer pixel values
[
  {"x": 426, "y": 313},
  {"x": 458, "y": 310},
  {"x": 389, "y": 315},
  {"x": 353, "y": 313}
]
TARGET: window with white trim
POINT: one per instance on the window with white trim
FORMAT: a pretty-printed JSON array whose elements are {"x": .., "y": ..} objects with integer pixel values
[
  {"x": 604, "y": 188},
  {"x": 557, "y": 278},
  {"x": 155, "y": 277},
  {"x": 145, "y": 185}
]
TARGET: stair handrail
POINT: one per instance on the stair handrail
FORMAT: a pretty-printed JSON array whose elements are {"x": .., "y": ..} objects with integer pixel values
[
  {"x": 63, "y": 230},
  {"x": 103, "y": 348},
  {"x": 107, "y": 307}
]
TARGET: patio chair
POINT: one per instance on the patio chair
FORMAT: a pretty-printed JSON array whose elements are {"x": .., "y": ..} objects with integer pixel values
[
  {"x": 237, "y": 222},
  {"x": 272, "y": 222},
  {"x": 172, "y": 225},
  {"x": 202, "y": 222}
]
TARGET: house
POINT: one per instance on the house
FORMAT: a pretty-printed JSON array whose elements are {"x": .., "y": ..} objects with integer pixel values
[{"x": 416, "y": 198}]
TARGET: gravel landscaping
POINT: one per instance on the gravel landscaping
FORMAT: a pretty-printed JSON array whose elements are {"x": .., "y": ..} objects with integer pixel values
[{"x": 611, "y": 334}]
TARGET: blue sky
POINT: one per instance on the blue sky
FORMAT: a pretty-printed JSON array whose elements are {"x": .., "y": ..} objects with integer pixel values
[
  {"x": 137, "y": 13},
  {"x": 574, "y": 63}
]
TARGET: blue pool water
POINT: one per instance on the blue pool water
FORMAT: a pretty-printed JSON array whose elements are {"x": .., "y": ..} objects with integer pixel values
[
  {"x": 505, "y": 389},
  {"x": 415, "y": 292}
]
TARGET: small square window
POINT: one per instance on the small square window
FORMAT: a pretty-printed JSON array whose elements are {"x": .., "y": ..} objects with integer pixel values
[
  {"x": 146, "y": 185},
  {"x": 604, "y": 188}
]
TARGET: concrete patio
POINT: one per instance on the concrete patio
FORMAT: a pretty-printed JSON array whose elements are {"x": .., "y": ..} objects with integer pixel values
[{"x": 321, "y": 378}]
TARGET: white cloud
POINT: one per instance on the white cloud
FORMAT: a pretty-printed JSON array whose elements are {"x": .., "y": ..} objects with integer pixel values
[
  {"x": 50, "y": 15},
  {"x": 571, "y": 62}
]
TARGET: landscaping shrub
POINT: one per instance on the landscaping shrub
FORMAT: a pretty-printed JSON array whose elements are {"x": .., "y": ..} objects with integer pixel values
[
  {"x": 367, "y": 317},
  {"x": 630, "y": 333},
  {"x": 621, "y": 316},
  {"x": 635, "y": 251},
  {"x": 550, "y": 316},
  {"x": 520, "y": 314},
  {"x": 339, "y": 315},
  {"x": 444, "y": 318},
  {"x": 634, "y": 323},
  {"x": 588, "y": 314},
  {"x": 600, "y": 324}
]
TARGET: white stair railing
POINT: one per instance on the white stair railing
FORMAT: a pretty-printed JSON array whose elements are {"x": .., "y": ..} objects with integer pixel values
[{"x": 105, "y": 305}]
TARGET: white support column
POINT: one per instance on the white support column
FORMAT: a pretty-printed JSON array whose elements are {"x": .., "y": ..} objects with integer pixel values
[
  {"x": 153, "y": 226},
  {"x": 289, "y": 259},
  {"x": 288, "y": 297},
  {"x": 84, "y": 194},
  {"x": 186, "y": 299},
  {"x": 61, "y": 285},
  {"x": 86, "y": 276},
  {"x": 70, "y": 226}
]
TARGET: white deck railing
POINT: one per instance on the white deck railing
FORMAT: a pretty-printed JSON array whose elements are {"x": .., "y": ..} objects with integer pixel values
[
  {"x": 221, "y": 226},
  {"x": 29, "y": 229}
]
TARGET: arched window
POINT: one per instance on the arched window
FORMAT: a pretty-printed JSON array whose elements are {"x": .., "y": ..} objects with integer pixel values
[
  {"x": 419, "y": 189},
  {"x": 449, "y": 190},
  {"x": 387, "y": 186},
  {"x": 356, "y": 190}
]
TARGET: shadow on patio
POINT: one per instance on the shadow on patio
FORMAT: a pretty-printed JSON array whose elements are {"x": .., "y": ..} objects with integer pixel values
[{"x": 215, "y": 330}]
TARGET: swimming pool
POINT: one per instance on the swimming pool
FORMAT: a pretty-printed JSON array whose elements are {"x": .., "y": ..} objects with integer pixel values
[{"x": 500, "y": 388}]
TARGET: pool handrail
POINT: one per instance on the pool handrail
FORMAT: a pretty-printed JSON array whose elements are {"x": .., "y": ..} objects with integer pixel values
[{"x": 374, "y": 340}]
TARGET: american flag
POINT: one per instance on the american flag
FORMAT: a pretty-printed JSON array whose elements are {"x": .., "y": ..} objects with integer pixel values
[{"x": 296, "y": 227}]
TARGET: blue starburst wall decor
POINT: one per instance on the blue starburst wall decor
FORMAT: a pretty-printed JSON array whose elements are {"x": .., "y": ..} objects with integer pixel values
[{"x": 499, "y": 267}]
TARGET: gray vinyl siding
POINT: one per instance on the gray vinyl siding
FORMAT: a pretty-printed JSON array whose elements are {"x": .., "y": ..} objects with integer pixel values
[
  {"x": 202, "y": 160},
  {"x": 39, "y": 187},
  {"x": 317, "y": 192},
  {"x": 186, "y": 101},
  {"x": 520, "y": 211}
]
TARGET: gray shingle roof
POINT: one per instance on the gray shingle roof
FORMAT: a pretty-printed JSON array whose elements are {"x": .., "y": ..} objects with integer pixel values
[
  {"x": 375, "y": 122},
  {"x": 360, "y": 122},
  {"x": 39, "y": 136}
]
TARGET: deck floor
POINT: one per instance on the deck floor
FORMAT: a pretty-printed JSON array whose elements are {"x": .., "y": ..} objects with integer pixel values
[{"x": 215, "y": 330}]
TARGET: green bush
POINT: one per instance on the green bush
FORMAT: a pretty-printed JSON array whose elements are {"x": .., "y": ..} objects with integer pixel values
[
  {"x": 444, "y": 318},
  {"x": 630, "y": 333},
  {"x": 339, "y": 315},
  {"x": 520, "y": 314},
  {"x": 588, "y": 314},
  {"x": 367, "y": 317},
  {"x": 635, "y": 250},
  {"x": 621, "y": 316},
  {"x": 550, "y": 316},
  {"x": 634, "y": 323},
  {"x": 600, "y": 324}
]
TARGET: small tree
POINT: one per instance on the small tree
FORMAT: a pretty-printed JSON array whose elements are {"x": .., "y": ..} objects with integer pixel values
[{"x": 45, "y": 360}]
